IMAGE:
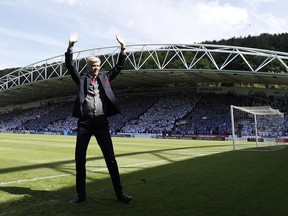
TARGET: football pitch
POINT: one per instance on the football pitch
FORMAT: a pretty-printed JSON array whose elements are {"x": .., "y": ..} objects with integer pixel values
[{"x": 164, "y": 176}]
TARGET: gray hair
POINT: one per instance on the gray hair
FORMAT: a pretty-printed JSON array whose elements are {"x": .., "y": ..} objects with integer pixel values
[{"x": 93, "y": 59}]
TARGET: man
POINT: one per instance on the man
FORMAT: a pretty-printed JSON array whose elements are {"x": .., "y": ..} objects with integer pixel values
[{"x": 95, "y": 102}]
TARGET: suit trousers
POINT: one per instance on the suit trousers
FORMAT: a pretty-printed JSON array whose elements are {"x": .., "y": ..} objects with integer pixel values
[{"x": 99, "y": 127}]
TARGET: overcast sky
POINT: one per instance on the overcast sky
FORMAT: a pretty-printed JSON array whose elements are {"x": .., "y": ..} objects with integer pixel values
[{"x": 33, "y": 30}]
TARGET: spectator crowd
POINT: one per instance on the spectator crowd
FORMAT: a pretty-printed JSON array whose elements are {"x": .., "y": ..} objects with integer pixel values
[{"x": 185, "y": 114}]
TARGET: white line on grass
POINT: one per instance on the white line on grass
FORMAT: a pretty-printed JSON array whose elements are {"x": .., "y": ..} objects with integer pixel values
[
  {"x": 96, "y": 170},
  {"x": 33, "y": 179}
]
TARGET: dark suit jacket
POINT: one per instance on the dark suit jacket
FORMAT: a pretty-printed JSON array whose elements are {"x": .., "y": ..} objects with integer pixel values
[{"x": 83, "y": 81}]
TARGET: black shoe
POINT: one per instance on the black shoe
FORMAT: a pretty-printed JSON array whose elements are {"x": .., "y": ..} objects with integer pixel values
[
  {"x": 125, "y": 198},
  {"x": 78, "y": 199}
]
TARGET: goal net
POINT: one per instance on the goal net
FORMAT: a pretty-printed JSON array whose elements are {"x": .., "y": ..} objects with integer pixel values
[{"x": 258, "y": 128}]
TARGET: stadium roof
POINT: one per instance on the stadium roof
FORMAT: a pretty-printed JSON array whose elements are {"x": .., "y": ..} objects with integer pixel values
[
  {"x": 148, "y": 68},
  {"x": 130, "y": 82}
]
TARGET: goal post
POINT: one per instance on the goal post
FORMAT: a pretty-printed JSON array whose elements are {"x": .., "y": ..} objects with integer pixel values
[{"x": 257, "y": 127}]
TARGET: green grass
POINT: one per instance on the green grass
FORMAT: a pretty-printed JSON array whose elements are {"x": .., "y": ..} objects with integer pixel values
[{"x": 165, "y": 177}]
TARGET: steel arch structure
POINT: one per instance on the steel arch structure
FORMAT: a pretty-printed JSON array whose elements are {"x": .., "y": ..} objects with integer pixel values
[
  {"x": 148, "y": 68},
  {"x": 158, "y": 57}
]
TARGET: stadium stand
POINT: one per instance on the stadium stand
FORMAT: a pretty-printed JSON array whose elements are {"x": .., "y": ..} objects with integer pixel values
[
  {"x": 172, "y": 90},
  {"x": 205, "y": 113}
]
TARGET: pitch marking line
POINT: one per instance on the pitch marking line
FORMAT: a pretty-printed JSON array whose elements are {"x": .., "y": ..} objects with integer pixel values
[{"x": 126, "y": 166}]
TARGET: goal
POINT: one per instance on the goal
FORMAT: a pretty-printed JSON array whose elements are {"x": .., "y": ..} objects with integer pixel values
[{"x": 258, "y": 128}]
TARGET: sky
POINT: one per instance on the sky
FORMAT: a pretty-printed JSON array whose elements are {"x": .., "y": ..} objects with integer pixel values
[{"x": 34, "y": 30}]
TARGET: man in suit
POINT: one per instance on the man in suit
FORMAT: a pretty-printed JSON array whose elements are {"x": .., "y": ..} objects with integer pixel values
[{"x": 94, "y": 102}]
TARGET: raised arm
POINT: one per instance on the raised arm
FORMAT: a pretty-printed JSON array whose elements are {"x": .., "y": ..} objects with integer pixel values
[
  {"x": 121, "y": 42},
  {"x": 74, "y": 37},
  {"x": 121, "y": 60}
]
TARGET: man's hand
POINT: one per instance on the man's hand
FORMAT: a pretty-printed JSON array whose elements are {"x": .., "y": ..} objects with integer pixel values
[
  {"x": 121, "y": 42},
  {"x": 74, "y": 37}
]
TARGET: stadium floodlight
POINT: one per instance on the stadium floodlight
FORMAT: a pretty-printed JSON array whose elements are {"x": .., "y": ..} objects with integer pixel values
[{"x": 257, "y": 128}]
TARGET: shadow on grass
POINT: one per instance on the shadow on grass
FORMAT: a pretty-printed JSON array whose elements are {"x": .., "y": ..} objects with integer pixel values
[
  {"x": 22, "y": 190},
  {"x": 230, "y": 183},
  {"x": 57, "y": 164}
]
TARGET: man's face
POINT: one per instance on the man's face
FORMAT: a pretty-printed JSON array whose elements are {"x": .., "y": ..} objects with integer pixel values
[{"x": 93, "y": 68}]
